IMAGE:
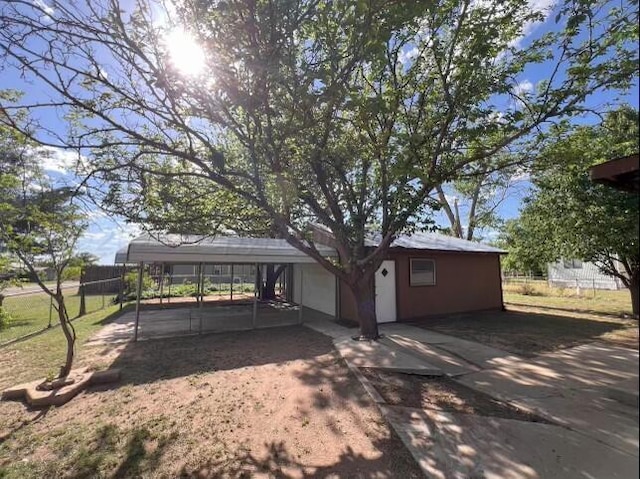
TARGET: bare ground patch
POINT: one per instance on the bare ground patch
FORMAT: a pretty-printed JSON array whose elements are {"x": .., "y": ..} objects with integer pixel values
[
  {"x": 529, "y": 331},
  {"x": 441, "y": 393},
  {"x": 266, "y": 403}
]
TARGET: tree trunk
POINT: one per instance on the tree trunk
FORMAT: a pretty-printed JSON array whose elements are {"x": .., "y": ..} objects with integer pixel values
[
  {"x": 364, "y": 296},
  {"x": 69, "y": 334},
  {"x": 634, "y": 289},
  {"x": 269, "y": 289}
]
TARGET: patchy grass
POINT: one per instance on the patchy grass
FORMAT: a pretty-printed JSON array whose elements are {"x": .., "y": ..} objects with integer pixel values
[
  {"x": 537, "y": 293},
  {"x": 40, "y": 355},
  {"x": 272, "y": 403},
  {"x": 529, "y": 331},
  {"x": 30, "y": 312}
]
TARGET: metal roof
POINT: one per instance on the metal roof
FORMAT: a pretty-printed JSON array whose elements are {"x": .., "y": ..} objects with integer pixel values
[
  {"x": 436, "y": 242},
  {"x": 221, "y": 249},
  {"x": 121, "y": 256}
]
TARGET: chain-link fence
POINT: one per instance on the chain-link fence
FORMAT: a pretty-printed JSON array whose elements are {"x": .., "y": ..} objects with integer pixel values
[
  {"x": 541, "y": 286},
  {"x": 33, "y": 310},
  {"x": 178, "y": 283}
]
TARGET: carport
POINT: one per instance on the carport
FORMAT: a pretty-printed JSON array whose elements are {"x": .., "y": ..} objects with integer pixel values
[{"x": 303, "y": 282}]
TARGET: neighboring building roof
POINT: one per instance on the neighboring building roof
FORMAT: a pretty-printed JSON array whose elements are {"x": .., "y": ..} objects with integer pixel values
[
  {"x": 225, "y": 249},
  {"x": 621, "y": 173},
  {"x": 121, "y": 256},
  {"x": 437, "y": 242}
]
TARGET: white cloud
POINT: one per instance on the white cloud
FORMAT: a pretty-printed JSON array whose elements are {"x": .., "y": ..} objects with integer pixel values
[
  {"x": 106, "y": 236},
  {"x": 47, "y": 9},
  {"x": 406, "y": 56},
  {"x": 95, "y": 236},
  {"x": 58, "y": 160},
  {"x": 523, "y": 87},
  {"x": 520, "y": 175},
  {"x": 543, "y": 6}
]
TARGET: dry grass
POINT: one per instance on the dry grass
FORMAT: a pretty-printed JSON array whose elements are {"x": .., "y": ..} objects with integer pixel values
[
  {"x": 268, "y": 403},
  {"x": 529, "y": 331},
  {"x": 539, "y": 294}
]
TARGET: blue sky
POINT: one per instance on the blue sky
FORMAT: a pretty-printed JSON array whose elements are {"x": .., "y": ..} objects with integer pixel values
[{"x": 106, "y": 235}]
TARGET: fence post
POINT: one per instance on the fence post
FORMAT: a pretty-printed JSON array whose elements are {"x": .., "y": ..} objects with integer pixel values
[
  {"x": 161, "y": 283},
  {"x": 50, "y": 310},
  {"x": 102, "y": 292},
  {"x": 138, "y": 297},
  {"x": 170, "y": 282},
  {"x": 122, "y": 279},
  {"x": 83, "y": 306}
]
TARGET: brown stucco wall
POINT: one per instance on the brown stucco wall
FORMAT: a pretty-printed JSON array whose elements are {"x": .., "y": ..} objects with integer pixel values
[{"x": 464, "y": 282}]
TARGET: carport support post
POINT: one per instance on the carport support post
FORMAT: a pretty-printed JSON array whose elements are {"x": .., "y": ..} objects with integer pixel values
[
  {"x": 122, "y": 280},
  {"x": 138, "y": 294},
  {"x": 161, "y": 282},
  {"x": 301, "y": 289},
  {"x": 254, "y": 316},
  {"x": 200, "y": 292}
]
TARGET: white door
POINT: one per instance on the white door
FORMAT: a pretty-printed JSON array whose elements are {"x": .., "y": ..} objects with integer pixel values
[{"x": 386, "y": 292}]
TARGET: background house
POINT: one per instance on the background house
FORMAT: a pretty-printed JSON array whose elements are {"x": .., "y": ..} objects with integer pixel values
[{"x": 579, "y": 274}]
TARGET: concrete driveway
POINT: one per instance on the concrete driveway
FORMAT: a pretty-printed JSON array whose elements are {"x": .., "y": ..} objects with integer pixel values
[{"x": 587, "y": 393}]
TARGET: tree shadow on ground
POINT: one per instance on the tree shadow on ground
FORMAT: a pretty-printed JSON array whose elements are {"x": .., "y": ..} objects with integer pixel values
[
  {"x": 102, "y": 451},
  {"x": 152, "y": 360},
  {"x": 331, "y": 387},
  {"x": 276, "y": 460},
  {"x": 531, "y": 333},
  {"x": 40, "y": 415}
]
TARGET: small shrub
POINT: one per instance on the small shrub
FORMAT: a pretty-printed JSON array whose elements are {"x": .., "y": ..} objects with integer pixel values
[
  {"x": 131, "y": 283},
  {"x": 182, "y": 290},
  {"x": 72, "y": 273},
  {"x": 528, "y": 289},
  {"x": 5, "y": 318}
]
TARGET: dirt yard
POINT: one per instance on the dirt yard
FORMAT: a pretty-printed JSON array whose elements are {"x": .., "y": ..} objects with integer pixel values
[
  {"x": 267, "y": 403},
  {"x": 529, "y": 331},
  {"x": 440, "y": 393}
]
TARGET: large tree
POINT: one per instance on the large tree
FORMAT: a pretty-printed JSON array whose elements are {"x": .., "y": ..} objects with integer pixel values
[
  {"x": 39, "y": 222},
  {"x": 471, "y": 203},
  {"x": 345, "y": 113},
  {"x": 567, "y": 215}
]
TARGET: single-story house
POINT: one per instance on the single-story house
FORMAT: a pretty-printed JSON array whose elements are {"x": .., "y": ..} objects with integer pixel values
[
  {"x": 424, "y": 274},
  {"x": 575, "y": 273}
]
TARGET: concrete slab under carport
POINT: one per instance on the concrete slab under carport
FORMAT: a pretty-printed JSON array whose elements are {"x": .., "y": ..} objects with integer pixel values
[{"x": 174, "y": 321}]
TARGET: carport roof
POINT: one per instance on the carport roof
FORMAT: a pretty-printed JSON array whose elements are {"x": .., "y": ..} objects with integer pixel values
[{"x": 222, "y": 249}]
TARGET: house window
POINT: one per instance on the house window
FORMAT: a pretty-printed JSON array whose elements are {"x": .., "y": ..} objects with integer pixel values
[
  {"x": 423, "y": 272},
  {"x": 572, "y": 264}
]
